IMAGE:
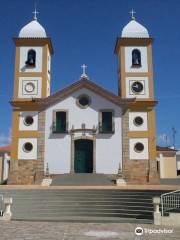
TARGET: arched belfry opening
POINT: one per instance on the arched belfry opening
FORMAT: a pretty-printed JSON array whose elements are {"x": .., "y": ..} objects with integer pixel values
[
  {"x": 31, "y": 57},
  {"x": 136, "y": 57}
]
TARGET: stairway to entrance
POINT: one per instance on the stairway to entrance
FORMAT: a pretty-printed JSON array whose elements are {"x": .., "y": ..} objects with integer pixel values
[
  {"x": 104, "y": 205},
  {"x": 83, "y": 179}
]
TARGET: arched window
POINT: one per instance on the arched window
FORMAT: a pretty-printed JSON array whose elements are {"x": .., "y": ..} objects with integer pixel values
[
  {"x": 136, "y": 57},
  {"x": 31, "y": 58}
]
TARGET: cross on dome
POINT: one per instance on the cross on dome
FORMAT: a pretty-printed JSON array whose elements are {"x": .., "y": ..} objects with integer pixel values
[
  {"x": 132, "y": 14},
  {"x": 84, "y": 75},
  {"x": 134, "y": 29},
  {"x": 33, "y": 29},
  {"x": 35, "y": 12}
]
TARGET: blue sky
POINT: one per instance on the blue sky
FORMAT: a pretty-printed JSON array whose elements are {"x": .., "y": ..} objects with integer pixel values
[{"x": 85, "y": 31}]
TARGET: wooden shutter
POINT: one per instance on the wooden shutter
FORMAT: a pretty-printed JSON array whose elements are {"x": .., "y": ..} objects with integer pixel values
[
  {"x": 106, "y": 121},
  {"x": 60, "y": 122}
]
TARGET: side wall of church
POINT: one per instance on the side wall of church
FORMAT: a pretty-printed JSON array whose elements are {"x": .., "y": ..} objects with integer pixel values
[
  {"x": 141, "y": 170},
  {"x": 25, "y": 167},
  {"x": 108, "y": 147}
]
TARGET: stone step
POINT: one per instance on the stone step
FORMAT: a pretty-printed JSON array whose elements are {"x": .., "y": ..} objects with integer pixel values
[
  {"x": 75, "y": 205},
  {"x": 44, "y": 216},
  {"x": 87, "y": 206},
  {"x": 83, "y": 213},
  {"x": 91, "y": 219},
  {"x": 84, "y": 204},
  {"x": 84, "y": 191},
  {"x": 82, "y": 199},
  {"x": 80, "y": 196},
  {"x": 78, "y": 193},
  {"x": 83, "y": 179},
  {"x": 73, "y": 208},
  {"x": 80, "y": 209}
]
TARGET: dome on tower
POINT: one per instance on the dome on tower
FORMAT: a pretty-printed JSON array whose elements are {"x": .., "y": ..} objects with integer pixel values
[
  {"x": 134, "y": 30},
  {"x": 32, "y": 30}
]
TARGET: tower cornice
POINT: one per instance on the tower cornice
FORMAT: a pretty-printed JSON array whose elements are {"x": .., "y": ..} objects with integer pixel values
[
  {"x": 34, "y": 42},
  {"x": 131, "y": 42}
]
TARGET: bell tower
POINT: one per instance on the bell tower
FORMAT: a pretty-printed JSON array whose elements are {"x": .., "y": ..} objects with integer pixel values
[
  {"x": 135, "y": 74},
  {"x": 134, "y": 50},
  {"x": 32, "y": 62},
  {"x": 31, "y": 82}
]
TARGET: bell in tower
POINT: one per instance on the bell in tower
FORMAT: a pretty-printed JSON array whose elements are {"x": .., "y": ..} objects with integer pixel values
[
  {"x": 31, "y": 58},
  {"x": 134, "y": 51}
]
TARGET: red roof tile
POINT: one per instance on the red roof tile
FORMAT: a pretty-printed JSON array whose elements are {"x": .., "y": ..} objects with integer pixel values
[
  {"x": 166, "y": 149},
  {"x": 5, "y": 148}
]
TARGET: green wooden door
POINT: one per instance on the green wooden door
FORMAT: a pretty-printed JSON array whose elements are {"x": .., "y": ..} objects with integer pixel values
[{"x": 83, "y": 160}]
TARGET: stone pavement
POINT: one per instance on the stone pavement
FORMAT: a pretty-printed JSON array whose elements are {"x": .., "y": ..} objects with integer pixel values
[
  {"x": 128, "y": 186},
  {"x": 15, "y": 230}
]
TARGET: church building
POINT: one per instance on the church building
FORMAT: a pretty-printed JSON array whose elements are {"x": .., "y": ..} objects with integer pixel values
[{"x": 83, "y": 128}]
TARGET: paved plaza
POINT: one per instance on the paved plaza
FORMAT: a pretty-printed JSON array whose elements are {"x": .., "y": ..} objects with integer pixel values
[{"x": 15, "y": 230}]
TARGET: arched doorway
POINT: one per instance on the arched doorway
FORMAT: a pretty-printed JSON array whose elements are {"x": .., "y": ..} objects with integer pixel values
[{"x": 83, "y": 156}]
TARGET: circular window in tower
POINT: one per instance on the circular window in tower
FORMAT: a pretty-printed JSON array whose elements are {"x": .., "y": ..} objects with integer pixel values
[
  {"x": 83, "y": 101},
  {"x": 29, "y": 87},
  {"x": 28, "y": 120},
  {"x": 27, "y": 147},
  {"x": 138, "y": 121},
  {"x": 138, "y": 147},
  {"x": 137, "y": 87}
]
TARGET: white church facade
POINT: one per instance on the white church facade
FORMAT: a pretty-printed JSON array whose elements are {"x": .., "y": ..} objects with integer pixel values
[
  {"x": 85, "y": 124},
  {"x": 83, "y": 128}
]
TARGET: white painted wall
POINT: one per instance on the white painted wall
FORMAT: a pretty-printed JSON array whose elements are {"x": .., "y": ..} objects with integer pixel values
[
  {"x": 22, "y": 155},
  {"x": 23, "y": 126},
  {"x": 108, "y": 147},
  {"x": 131, "y": 94},
  {"x": 128, "y": 59},
  {"x": 160, "y": 159},
  {"x": 178, "y": 160},
  {"x": 178, "y": 165},
  {"x": 134, "y": 127},
  {"x": 49, "y": 73},
  {"x": 144, "y": 155},
  {"x": 48, "y": 88},
  {"x": 49, "y": 64},
  {"x": 36, "y": 81},
  {"x": 6, "y": 166},
  {"x": 23, "y": 58}
]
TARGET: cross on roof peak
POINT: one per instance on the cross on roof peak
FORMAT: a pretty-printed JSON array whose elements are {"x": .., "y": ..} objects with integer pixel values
[
  {"x": 132, "y": 12},
  {"x": 84, "y": 75},
  {"x": 35, "y": 12}
]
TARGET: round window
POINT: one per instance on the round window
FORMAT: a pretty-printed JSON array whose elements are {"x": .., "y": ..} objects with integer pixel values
[
  {"x": 29, "y": 87},
  {"x": 138, "y": 121},
  {"x": 84, "y": 101},
  {"x": 138, "y": 147},
  {"x": 28, "y": 120},
  {"x": 137, "y": 87},
  {"x": 28, "y": 147}
]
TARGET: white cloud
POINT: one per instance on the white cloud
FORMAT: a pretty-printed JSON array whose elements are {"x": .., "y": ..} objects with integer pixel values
[{"x": 5, "y": 139}]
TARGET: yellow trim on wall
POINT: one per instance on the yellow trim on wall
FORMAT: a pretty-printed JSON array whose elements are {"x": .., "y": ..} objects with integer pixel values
[
  {"x": 15, "y": 126},
  {"x": 28, "y": 134},
  {"x": 123, "y": 74},
  {"x": 27, "y": 104},
  {"x": 137, "y": 106},
  {"x": 43, "y": 74}
]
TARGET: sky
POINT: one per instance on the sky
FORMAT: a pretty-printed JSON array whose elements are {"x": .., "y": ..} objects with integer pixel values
[{"x": 85, "y": 31}]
